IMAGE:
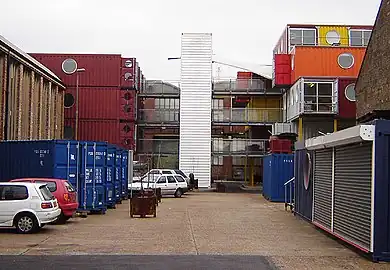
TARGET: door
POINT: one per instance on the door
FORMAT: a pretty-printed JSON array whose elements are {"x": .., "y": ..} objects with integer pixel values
[
  {"x": 172, "y": 185},
  {"x": 12, "y": 199},
  {"x": 162, "y": 183}
]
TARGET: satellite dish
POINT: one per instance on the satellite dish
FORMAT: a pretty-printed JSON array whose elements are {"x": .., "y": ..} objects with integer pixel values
[
  {"x": 128, "y": 76},
  {"x": 69, "y": 66}
]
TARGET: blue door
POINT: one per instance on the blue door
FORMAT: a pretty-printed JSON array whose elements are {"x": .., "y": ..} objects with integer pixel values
[
  {"x": 110, "y": 176},
  {"x": 118, "y": 172},
  {"x": 125, "y": 174}
]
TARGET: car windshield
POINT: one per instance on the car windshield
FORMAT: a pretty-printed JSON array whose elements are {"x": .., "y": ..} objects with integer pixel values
[
  {"x": 69, "y": 187},
  {"x": 51, "y": 185},
  {"x": 47, "y": 195}
]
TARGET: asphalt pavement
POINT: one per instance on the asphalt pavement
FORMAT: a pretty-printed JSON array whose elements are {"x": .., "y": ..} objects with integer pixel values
[{"x": 148, "y": 262}]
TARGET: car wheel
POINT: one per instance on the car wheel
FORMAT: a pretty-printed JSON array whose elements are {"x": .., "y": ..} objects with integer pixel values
[
  {"x": 62, "y": 219},
  {"x": 178, "y": 193},
  {"x": 26, "y": 223}
]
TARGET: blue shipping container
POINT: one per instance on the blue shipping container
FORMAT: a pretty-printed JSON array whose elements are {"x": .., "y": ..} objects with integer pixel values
[
  {"x": 110, "y": 176},
  {"x": 277, "y": 169},
  {"x": 125, "y": 175},
  {"x": 118, "y": 175},
  {"x": 78, "y": 162}
]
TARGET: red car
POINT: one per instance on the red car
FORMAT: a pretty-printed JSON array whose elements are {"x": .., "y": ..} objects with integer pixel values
[{"x": 64, "y": 192}]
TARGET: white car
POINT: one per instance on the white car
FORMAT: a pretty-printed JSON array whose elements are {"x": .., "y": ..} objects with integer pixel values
[
  {"x": 27, "y": 206},
  {"x": 170, "y": 184},
  {"x": 155, "y": 172}
]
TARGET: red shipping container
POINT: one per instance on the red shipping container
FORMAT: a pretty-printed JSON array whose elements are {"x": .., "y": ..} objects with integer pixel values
[
  {"x": 101, "y": 70},
  {"x": 280, "y": 146},
  {"x": 282, "y": 69},
  {"x": 129, "y": 73},
  {"x": 347, "y": 99},
  {"x": 95, "y": 103},
  {"x": 282, "y": 59},
  {"x": 127, "y": 129},
  {"x": 95, "y": 130},
  {"x": 283, "y": 79},
  {"x": 127, "y": 143}
]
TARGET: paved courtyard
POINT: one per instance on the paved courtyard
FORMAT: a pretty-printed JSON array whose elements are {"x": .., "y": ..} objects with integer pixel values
[{"x": 200, "y": 223}]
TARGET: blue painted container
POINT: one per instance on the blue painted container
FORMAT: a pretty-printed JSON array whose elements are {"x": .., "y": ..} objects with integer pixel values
[
  {"x": 277, "y": 169},
  {"x": 125, "y": 175},
  {"x": 78, "y": 162},
  {"x": 118, "y": 175},
  {"x": 110, "y": 176},
  {"x": 303, "y": 172}
]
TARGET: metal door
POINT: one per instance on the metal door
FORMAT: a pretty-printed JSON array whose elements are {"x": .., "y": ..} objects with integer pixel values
[
  {"x": 323, "y": 187},
  {"x": 352, "y": 193}
]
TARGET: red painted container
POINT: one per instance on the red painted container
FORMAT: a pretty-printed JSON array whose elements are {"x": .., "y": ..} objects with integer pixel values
[
  {"x": 282, "y": 65},
  {"x": 139, "y": 78},
  {"x": 280, "y": 146},
  {"x": 94, "y": 130},
  {"x": 347, "y": 99},
  {"x": 244, "y": 79},
  {"x": 127, "y": 129},
  {"x": 129, "y": 73},
  {"x": 101, "y": 70},
  {"x": 127, "y": 143},
  {"x": 95, "y": 103}
]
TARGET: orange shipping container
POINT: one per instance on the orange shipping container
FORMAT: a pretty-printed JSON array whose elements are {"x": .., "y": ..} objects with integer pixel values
[{"x": 311, "y": 61}]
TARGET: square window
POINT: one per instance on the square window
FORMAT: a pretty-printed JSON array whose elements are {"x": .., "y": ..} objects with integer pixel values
[
  {"x": 295, "y": 37},
  {"x": 309, "y": 37}
]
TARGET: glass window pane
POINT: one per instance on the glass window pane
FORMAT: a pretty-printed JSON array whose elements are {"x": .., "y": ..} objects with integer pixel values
[
  {"x": 171, "y": 180},
  {"x": 161, "y": 100},
  {"x": 309, "y": 37},
  {"x": 325, "y": 89},
  {"x": 366, "y": 37},
  {"x": 295, "y": 37},
  {"x": 356, "y": 38},
  {"x": 310, "y": 92},
  {"x": 156, "y": 103}
]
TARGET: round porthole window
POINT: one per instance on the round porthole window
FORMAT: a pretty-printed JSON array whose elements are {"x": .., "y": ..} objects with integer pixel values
[
  {"x": 126, "y": 129},
  {"x": 68, "y": 100},
  {"x": 126, "y": 108},
  {"x": 346, "y": 60},
  {"x": 307, "y": 171},
  {"x": 128, "y": 76},
  {"x": 127, "y": 96},
  {"x": 350, "y": 93},
  {"x": 128, "y": 63},
  {"x": 332, "y": 37}
]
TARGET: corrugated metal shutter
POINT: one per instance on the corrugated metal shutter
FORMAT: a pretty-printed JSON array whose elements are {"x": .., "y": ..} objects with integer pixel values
[
  {"x": 323, "y": 187},
  {"x": 195, "y": 106},
  {"x": 352, "y": 193}
]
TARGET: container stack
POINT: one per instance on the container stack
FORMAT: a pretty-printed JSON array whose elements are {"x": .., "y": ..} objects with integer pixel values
[{"x": 106, "y": 103}]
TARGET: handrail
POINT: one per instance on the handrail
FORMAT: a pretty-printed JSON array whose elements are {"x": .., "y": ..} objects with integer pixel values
[{"x": 289, "y": 181}]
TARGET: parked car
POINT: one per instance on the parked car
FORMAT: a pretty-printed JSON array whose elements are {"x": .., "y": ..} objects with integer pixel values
[
  {"x": 170, "y": 185},
  {"x": 63, "y": 191},
  {"x": 27, "y": 206},
  {"x": 155, "y": 172}
]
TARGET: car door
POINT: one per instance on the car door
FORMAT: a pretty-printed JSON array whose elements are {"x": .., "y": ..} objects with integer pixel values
[
  {"x": 15, "y": 198},
  {"x": 172, "y": 185},
  {"x": 162, "y": 183}
]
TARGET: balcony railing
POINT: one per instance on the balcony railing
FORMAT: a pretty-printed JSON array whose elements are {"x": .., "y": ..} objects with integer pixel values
[
  {"x": 241, "y": 86},
  {"x": 158, "y": 146},
  {"x": 160, "y": 88},
  {"x": 158, "y": 116},
  {"x": 247, "y": 115},
  {"x": 238, "y": 146}
]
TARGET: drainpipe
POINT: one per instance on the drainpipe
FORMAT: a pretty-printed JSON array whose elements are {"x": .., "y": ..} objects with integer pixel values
[{"x": 6, "y": 97}]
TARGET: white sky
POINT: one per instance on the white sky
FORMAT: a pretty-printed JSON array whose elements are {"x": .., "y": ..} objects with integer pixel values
[{"x": 244, "y": 32}]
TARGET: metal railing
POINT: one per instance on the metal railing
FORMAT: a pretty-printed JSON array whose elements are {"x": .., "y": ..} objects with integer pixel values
[
  {"x": 160, "y": 88},
  {"x": 238, "y": 146},
  {"x": 239, "y": 85},
  {"x": 158, "y": 115},
  {"x": 158, "y": 146},
  {"x": 247, "y": 115},
  {"x": 289, "y": 194}
]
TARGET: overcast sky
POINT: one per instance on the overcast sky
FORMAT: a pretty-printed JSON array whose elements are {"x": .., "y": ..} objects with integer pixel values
[{"x": 244, "y": 32}]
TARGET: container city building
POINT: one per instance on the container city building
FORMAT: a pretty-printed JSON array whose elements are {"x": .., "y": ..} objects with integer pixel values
[{"x": 31, "y": 97}]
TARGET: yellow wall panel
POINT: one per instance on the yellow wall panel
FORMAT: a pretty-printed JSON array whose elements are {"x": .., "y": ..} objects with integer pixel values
[{"x": 341, "y": 30}]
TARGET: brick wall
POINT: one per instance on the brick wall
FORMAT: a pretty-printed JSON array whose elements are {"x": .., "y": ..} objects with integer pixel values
[{"x": 372, "y": 88}]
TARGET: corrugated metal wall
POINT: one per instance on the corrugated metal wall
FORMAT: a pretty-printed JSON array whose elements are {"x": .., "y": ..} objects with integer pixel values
[
  {"x": 323, "y": 187},
  {"x": 35, "y": 106},
  {"x": 195, "y": 106},
  {"x": 3, "y": 87},
  {"x": 352, "y": 193}
]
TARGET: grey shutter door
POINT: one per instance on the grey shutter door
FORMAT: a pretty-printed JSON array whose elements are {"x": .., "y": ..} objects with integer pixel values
[
  {"x": 352, "y": 193},
  {"x": 323, "y": 187}
]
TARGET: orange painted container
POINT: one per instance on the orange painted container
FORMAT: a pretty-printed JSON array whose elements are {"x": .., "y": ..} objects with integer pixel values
[{"x": 315, "y": 61}]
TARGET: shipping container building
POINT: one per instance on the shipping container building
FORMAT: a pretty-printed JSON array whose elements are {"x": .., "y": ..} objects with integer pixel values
[
  {"x": 342, "y": 186},
  {"x": 130, "y": 74},
  {"x": 31, "y": 97}
]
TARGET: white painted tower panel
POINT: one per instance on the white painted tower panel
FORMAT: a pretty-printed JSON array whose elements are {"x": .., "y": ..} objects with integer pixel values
[{"x": 195, "y": 106}]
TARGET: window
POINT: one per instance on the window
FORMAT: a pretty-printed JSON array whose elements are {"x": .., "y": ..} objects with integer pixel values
[
  {"x": 166, "y": 172},
  {"x": 68, "y": 100},
  {"x": 346, "y": 60},
  {"x": 69, "y": 187},
  {"x": 359, "y": 38},
  {"x": 302, "y": 37},
  {"x": 350, "y": 92},
  {"x": 171, "y": 180},
  {"x": 179, "y": 178},
  {"x": 217, "y": 160},
  {"x": 217, "y": 145},
  {"x": 52, "y": 186},
  {"x": 167, "y": 109},
  {"x": 217, "y": 108},
  {"x": 318, "y": 97},
  {"x": 162, "y": 180},
  {"x": 181, "y": 173},
  {"x": 13, "y": 193},
  {"x": 47, "y": 195}
]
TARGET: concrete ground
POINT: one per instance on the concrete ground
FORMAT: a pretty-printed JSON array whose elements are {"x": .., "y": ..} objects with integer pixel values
[{"x": 200, "y": 223}]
